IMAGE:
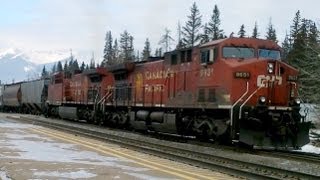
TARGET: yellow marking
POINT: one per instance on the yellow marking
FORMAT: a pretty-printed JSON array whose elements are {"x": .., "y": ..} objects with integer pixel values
[{"x": 153, "y": 165}]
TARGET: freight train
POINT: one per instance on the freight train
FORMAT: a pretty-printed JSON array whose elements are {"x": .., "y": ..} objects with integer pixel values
[{"x": 227, "y": 90}]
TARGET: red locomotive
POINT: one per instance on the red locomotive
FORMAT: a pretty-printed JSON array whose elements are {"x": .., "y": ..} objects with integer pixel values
[
  {"x": 75, "y": 96},
  {"x": 233, "y": 89}
]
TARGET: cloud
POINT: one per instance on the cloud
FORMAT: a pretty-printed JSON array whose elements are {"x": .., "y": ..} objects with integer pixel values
[{"x": 82, "y": 24}]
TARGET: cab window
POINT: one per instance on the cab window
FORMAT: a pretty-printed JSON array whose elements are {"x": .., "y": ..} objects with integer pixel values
[
  {"x": 174, "y": 59},
  {"x": 271, "y": 54},
  {"x": 208, "y": 55},
  {"x": 186, "y": 56},
  {"x": 238, "y": 52}
]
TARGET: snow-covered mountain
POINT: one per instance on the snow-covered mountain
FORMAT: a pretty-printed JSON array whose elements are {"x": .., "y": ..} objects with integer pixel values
[
  {"x": 45, "y": 57},
  {"x": 14, "y": 66},
  {"x": 17, "y": 65}
]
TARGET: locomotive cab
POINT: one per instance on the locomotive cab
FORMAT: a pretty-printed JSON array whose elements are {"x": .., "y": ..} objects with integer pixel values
[{"x": 264, "y": 102}]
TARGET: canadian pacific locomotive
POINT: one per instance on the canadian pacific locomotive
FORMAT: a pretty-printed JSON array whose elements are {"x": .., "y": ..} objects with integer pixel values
[{"x": 228, "y": 90}]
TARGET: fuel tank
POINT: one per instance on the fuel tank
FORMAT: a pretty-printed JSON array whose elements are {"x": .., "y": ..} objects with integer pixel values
[{"x": 68, "y": 112}]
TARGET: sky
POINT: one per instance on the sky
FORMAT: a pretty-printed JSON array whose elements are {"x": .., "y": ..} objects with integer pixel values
[{"x": 47, "y": 25}]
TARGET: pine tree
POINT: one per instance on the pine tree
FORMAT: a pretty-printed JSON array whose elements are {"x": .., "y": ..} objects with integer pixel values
[
  {"x": 298, "y": 53},
  {"x": 160, "y": 52},
  {"x": 156, "y": 53},
  {"x": 75, "y": 65},
  {"x": 54, "y": 68},
  {"x": 286, "y": 47},
  {"x": 295, "y": 27},
  {"x": 205, "y": 37},
  {"x": 65, "y": 67},
  {"x": 166, "y": 40},
  {"x": 44, "y": 73},
  {"x": 271, "y": 32},
  {"x": 137, "y": 58},
  {"x": 108, "y": 49},
  {"x": 92, "y": 62},
  {"x": 313, "y": 36},
  {"x": 70, "y": 66},
  {"x": 191, "y": 35},
  {"x": 304, "y": 55},
  {"x": 115, "y": 55},
  {"x": 214, "y": 25},
  {"x": 59, "y": 67},
  {"x": 126, "y": 47},
  {"x": 146, "y": 50},
  {"x": 131, "y": 48},
  {"x": 242, "y": 32},
  {"x": 255, "y": 33},
  {"x": 180, "y": 43},
  {"x": 305, "y": 62},
  {"x": 83, "y": 66}
]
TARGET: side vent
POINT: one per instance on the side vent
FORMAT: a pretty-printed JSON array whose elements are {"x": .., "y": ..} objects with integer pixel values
[
  {"x": 201, "y": 95},
  {"x": 212, "y": 95}
]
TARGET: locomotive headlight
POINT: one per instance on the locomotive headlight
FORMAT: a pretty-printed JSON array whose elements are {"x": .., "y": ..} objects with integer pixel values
[
  {"x": 270, "y": 68},
  {"x": 262, "y": 100},
  {"x": 297, "y": 101}
]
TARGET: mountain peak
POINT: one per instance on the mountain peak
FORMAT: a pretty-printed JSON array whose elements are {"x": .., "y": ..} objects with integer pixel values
[{"x": 9, "y": 52}]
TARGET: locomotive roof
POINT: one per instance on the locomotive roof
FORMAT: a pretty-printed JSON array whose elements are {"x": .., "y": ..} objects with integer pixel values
[
  {"x": 150, "y": 59},
  {"x": 256, "y": 41},
  {"x": 210, "y": 43}
]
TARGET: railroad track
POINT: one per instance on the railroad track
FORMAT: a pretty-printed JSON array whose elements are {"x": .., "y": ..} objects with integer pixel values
[
  {"x": 195, "y": 156},
  {"x": 293, "y": 155}
]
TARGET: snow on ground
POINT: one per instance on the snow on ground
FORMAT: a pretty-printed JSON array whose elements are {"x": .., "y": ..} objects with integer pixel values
[
  {"x": 314, "y": 134},
  {"x": 312, "y": 112},
  {"x": 45, "y": 149},
  {"x": 73, "y": 175},
  {"x": 3, "y": 175},
  {"x": 28, "y": 146},
  {"x": 146, "y": 177},
  {"x": 313, "y": 115},
  {"x": 310, "y": 148}
]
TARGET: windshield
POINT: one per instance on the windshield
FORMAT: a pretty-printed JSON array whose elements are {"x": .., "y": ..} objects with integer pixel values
[
  {"x": 238, "y": 52},
  {"x": 271, "y": 54}
]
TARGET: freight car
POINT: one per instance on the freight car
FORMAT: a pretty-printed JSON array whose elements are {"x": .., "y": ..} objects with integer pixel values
[
  {"x": 1, "y": 96},
  {"x": 12, "y": 97},
  {"x": 24, "y": 97},
  {"x": 34, "y": 96}
]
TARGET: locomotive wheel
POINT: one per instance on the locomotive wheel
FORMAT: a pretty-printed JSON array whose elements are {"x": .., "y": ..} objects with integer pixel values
[
  {"x": 98, "y": 118},
  {"x": 204, "y": 134}
]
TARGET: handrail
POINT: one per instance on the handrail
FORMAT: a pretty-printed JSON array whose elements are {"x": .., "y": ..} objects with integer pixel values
[
  {"x": 240, "y": 112},
  {"x": 105, "y": 96},
  {"x": 245, "y": 93}
]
